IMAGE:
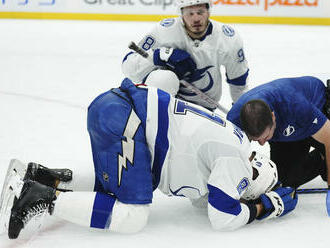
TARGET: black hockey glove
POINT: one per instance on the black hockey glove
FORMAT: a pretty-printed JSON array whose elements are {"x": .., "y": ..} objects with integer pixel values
[
  {"x": 177, "y": 60},
  {"x": 278, "y": 202}
]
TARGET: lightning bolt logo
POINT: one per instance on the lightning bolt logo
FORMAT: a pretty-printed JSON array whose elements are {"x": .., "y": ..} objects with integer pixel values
[{"x": 128, "y": 144}]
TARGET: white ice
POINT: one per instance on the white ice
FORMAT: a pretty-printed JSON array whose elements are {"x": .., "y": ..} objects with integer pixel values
[{"x": 51, "y": 70}]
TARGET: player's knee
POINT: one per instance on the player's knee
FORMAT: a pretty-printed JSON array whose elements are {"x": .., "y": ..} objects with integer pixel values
[{"x": 129, "y": 218}]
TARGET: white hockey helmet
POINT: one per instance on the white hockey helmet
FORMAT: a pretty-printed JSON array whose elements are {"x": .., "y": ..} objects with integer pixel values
[
  {"x": 165, "y": 80},
  {"x": 185, "y": 3},
  {"x": 264, "y": 177}
]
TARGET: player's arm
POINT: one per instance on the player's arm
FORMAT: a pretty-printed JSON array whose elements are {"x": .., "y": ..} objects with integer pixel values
[
  {"x": 136, "y": 67},
  {"x": 227, "y": 213},
  {"x": 236, "y": 66},
  {"x": 227, "y": 185},
  {"x": 228, "y": 181}
]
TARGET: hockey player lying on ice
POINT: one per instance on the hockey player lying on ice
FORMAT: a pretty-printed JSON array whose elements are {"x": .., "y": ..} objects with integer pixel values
[{"x": 143, "y": 139}]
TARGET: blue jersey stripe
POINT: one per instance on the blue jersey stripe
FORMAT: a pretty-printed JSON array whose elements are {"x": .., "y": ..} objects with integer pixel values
[
  {"x": 223, "y": 202},
  {"x": 240, "y": 81},
  {"x": 162, "y": 144},
  {"x": 102, "y": 211}
]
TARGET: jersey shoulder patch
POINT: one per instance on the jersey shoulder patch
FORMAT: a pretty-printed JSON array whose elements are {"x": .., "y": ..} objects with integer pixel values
[
  {"x": 167, "y": 22},
  {"x": 243, "y": 184},
  {"x": 228, "y": 30}
]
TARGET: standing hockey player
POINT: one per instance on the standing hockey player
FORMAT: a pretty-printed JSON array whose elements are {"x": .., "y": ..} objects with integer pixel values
[
  {"x": 292, "y": 114},
  {"x": 143, "y": 139},
  {"x": 194, "y": 47}
]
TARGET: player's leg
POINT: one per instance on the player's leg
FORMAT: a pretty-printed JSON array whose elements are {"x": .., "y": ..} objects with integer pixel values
[
  {"x": 36, "y": 172},
  {"x": 34, "y": 200},
  {"x": 319, "y": 153},
  {"x": 61, "y": 179},
  {"x": 122, "y": 160},
  {"x": 89, "y": 209},
  {"x": 122, "y": 167},
  {"x": 19, "y": 172},
  {"x": 16, "y": 173},
  {"x": 83, "y": 179},
  {"x": 295, "y": 164},
  {"x": 100, "y": 210},
  {"x": 11, "y": 189}
]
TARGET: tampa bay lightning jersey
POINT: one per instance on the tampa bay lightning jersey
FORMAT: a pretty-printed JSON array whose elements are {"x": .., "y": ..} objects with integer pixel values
[
  {"x": 221, "y": 46},
  {"x": 296, "y": 102},
  {"x": 195, "y": 153}
]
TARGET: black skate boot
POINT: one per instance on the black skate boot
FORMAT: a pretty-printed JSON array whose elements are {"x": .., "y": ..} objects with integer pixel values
[
  {"x": 34, "y": 200},
  {"x": 46, "y": 176}
]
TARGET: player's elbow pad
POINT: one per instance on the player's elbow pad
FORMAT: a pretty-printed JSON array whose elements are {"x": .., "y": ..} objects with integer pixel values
[
  {"x": 129, "y": 218},
  {"x": 222, "y": 221},
  {"x": 130, "y": 70},
  {"x": 135, "y": 67}
]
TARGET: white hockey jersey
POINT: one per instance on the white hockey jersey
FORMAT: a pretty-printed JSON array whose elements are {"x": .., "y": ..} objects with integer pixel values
[
  {"x": 178, "y": 147},
  {"x": 221, "y": 46},
  {"x": 205, "y": 157}
]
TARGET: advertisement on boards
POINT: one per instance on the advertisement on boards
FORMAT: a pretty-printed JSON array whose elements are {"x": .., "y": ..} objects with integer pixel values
[{"x": 140, "y": 8}]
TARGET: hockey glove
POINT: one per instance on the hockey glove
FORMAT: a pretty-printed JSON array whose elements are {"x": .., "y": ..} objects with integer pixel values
[
  {"x": 278, "y": 202},
  {"x": 179, "y": 61}
]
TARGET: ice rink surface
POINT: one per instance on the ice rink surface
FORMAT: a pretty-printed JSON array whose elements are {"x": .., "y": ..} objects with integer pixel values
[{"x": 51, "y": 70}]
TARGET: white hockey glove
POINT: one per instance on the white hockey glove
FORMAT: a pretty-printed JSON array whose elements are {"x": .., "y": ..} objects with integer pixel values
[{"x": 278, "y": 202}]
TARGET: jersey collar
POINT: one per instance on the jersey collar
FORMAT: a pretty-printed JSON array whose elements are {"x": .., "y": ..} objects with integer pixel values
[{"x": 208, "y": 31}]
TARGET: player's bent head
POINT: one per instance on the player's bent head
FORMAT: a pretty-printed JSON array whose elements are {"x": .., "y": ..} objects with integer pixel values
[
  {"x": 264, "y": 179},
  {"x": 256, "y": 116}
]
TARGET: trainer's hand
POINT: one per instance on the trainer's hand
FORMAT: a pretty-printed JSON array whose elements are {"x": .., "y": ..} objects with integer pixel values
[
  {"x": 278, "y": 202},
  {"x": 179, "y": 61}
]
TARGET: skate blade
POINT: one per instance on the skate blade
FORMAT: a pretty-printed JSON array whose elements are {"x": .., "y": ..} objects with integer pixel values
[{"x": 12, "y": 188}]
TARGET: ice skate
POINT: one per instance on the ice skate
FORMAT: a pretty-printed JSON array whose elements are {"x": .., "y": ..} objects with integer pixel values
[
  {"x": 46, "y": 176},
  {"x": 17, "y": 173},
  {"x": 39, "y": 173},
  {"x": 35, "y": 200},
  {"x": 11, "y": 190}
]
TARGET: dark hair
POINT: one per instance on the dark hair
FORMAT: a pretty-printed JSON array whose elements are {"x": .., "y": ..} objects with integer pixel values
[{"x": 255, "y": 117}]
